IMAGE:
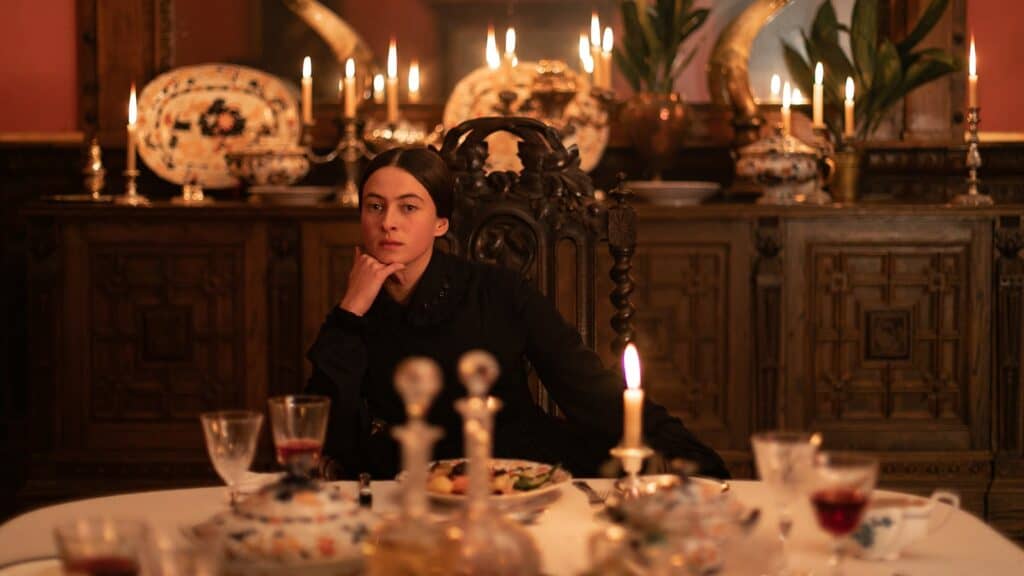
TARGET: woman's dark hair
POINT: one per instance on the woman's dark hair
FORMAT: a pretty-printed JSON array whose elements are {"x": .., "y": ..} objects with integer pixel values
[{"x": 425, "y": 165}]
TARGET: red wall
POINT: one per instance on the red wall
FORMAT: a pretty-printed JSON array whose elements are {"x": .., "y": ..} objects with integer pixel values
[
  {"x": 38, "y": 67},
  {"x": 999, "y": 45}
]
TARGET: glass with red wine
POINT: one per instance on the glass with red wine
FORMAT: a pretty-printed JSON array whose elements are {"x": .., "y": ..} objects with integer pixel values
[
  {"x": 299, "y": 424},
  {"x": 841, "y": 487},
  {"x": 101, "y": 546}
]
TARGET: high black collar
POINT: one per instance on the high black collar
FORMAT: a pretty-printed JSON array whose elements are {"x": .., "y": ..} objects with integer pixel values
[{"x": 435, "y": 297}]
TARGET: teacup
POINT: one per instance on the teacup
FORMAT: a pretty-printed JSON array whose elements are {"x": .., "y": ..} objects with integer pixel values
[{"x": 893, "y": 522}]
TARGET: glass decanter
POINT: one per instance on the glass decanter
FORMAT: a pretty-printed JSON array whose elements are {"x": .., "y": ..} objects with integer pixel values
[
  {"x": 409, "y": 544},
  {"x": 480, "y": 540}
]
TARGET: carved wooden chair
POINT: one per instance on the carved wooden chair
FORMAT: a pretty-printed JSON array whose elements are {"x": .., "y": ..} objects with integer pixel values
[{"x": 543, "y": 221}]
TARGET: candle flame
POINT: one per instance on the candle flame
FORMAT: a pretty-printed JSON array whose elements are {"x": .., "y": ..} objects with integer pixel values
[
  {"x": 350, "y": 68},
  {"x": 631, "y": 366},
  {"x": 378, "y": 84},
  {"x": 819, "y": 73},
  {"x": 392, "y": 59},
  {"x": 414, "y": 77},
  {"x": 607, "y": 41},
  {"x": 493, "y": 58},
  {"x": 849, "y": 89},
  {"x": 307, "y": 67},
  {"x": 510, "y": 42},
  {"x": 787, "y": 96},
  {"x": 585, "y": 57},
  {"x": 595, "y": 30},
  {"x": 798, "y": 97},
  {"x": 972, "y": 61},
  {"x": 133, "y": 107},
  {"x": 776, "y": 85}
]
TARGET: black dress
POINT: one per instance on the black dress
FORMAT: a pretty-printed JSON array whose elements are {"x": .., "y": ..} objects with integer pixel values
[{"x": 458, "y": 306}]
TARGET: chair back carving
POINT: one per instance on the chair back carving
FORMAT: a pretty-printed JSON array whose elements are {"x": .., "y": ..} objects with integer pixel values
[{"x": 541, "y": 219}]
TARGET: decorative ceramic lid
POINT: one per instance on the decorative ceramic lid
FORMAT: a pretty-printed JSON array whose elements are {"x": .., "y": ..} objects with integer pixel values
[
  {"x": 777, "y": 159},
  {"x": 294, "y": 523}
]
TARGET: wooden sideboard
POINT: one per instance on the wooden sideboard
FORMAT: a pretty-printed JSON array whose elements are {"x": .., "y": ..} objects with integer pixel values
[{"x": 892, "y": 329}]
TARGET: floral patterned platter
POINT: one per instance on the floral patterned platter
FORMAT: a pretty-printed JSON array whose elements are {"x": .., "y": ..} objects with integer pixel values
[
  {"x": 191, "y": 116},
  {"x": 478, "y": 93},
  {"x": 549, "y": 479}
]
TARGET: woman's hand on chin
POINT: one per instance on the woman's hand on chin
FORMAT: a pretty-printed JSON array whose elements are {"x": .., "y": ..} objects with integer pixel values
[{"x": 365, "y": 281}]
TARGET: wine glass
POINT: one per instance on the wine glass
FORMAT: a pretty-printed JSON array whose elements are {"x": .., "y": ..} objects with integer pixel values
[
  {"x": 231, "y": 441},
  {"x": 299, "y": 424},
  {"x": 784, "y": 461},
  {"x": 102, "y": 546},
  {"x": 840, "y": 488}
]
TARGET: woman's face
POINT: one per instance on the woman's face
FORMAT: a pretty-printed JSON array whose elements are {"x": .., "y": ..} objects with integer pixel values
[{"x": 398, "y": 217}]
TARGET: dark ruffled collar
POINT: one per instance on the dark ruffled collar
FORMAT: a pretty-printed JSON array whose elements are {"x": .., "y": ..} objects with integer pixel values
[{"x": 435, "y": 297}]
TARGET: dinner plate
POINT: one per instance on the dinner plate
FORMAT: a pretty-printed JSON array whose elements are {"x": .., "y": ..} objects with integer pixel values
[
  {"x": 189, "y": 117},
  {"x": 32, "y": 567},
  {"x": 560, "y": 478},
  {"x": 673, "y": 192}
]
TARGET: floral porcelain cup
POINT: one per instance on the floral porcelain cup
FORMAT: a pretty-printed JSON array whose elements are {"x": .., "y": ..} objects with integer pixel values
[{"x": 891, "y": 523}]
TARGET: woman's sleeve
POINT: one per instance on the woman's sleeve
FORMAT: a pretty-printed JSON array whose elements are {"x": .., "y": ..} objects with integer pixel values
[
  {"x": 339, "y": 367},
  {"x": 591, "y": 395}
]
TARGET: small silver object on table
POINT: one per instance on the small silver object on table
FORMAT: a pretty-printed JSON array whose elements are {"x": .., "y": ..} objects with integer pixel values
[
  {"x": 972, "y": 197},
  {"x": 94, "y": 173}
]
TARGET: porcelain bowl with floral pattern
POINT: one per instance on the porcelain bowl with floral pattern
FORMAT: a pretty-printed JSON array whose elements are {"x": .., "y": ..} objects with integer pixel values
[
  {"x": 290, "y": 527},
  {"x": 267, "y": 166},
  {"x": 784, "y": 167}
]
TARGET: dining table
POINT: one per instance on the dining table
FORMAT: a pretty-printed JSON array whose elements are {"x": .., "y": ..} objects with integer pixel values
[{"x": 962, "y": 545}]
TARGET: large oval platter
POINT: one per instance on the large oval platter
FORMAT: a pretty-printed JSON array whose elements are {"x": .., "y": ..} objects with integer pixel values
[{"x": 189, "y": 117}]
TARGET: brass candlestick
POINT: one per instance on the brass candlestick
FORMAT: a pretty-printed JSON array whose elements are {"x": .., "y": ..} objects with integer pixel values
[
  {"x": 94, "y": 174},
  {"x": 131, "y": 196},
  {"x": 972, "y": 197},
  {"x": 353, "y": 150}
]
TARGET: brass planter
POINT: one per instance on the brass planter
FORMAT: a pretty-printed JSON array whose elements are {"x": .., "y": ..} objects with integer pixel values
[
  {"x": 847, "y": 176},
  {"x": 656, "y": 124}
]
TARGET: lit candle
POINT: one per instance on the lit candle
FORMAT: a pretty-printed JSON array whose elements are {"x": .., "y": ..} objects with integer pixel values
[
  {"x": 849, "y": 128},
  {"x": 787, "y": 117},
  {"x": 509, "y": 60},
  {"x": 133, "y": 114},
  {"x": 307, "y": 90},
  {"x": 349, "y": 110},
  {"x": 798, "y": 97},
  {"x": 391, "y": 93},
  {"x": 378, "y": 88},
  {"x": 774, "y": 87},
  {"x": 972, "y": 77},
  {"x": 585, "y": 59},
  {"x": 632, "y": 399},
  {"x": 606, "y": 58},
  {"x": 491, "y": 52},
  {"x": 414, "y": 82},
  {"x": 595, "y": 48},
  {"x": 819, "y": 96}
]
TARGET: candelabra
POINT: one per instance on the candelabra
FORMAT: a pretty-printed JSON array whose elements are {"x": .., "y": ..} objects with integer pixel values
[{"x": 972, "y": 197}]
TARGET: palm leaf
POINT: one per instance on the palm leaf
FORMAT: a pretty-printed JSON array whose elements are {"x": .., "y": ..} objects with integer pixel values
[
  {"x": 825, "y": 27},
  {"x": 925, "y": 70},
  {"x": 864, "y": 38},
  {"x": 924, "y": 25},
  {"x": 628, "y": 69}
]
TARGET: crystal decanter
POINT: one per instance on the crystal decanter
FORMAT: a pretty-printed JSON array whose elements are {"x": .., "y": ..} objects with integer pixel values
[
  {"x": 409, "y": 543},
  {"x": 480, "y": 540}
]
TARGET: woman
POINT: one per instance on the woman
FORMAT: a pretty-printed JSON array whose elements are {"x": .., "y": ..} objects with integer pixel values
[{"x": 404, "y": 298}]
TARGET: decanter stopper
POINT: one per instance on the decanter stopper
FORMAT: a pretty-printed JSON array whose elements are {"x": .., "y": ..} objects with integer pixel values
[
  {"x": 417, "y": 380},
  {"x": 478, "y": 370}
]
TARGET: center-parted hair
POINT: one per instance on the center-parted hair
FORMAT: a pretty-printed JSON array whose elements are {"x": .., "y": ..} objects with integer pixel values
[{"x": 425, "y": 165}]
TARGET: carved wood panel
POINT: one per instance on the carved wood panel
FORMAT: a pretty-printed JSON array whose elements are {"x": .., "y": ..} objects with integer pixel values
[
  {"x": 169, "y": 322},
  {"x": 692, "y": 323},
  {"x": 892, "y": 333}
]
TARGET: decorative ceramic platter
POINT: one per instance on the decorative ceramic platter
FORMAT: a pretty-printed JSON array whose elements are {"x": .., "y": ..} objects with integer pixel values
[
  {"x": 290, "y": 195},
  {"x": 512, "y": 469},
  {"x": 477, "y": 95},
  {"x": 673, "y": 192},
  {"x": 190, "y": 116},
  {"x": 33, "y": 567}
]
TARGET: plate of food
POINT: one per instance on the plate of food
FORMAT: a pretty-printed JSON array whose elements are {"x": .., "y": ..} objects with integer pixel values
[{"x": 512, "y": 481}]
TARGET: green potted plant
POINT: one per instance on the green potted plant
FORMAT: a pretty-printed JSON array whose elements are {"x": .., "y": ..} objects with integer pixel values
[
  {"x": 651, "y": 57},
  {"x": 883, "y": 71}
]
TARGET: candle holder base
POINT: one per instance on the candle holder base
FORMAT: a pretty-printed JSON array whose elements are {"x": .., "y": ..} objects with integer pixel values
[
  {"x": 632, "y": 458},
  {"x": 191, "y": 195},
  {"x": 131, "y": 196},
  {"x": 974, "y": 200}
]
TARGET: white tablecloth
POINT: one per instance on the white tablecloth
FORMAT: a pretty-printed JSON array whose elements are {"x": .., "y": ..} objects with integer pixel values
[{"x": 963, "y": 546}]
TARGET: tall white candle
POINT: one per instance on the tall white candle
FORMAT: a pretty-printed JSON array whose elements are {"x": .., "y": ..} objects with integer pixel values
[
  {"x": 787, "y": 114},
  {"x": 972, "y": 77},
  {"x": 350, "y": 89},
  {"x": 307, "y": 90},
  {"x": 775, "y": 88},
  {"x": 133, "y": 115},
  {"x": 414, "y": 82},
  {"x": 849, "y": 126},
  {"x": 392, "y": 83},
  {"x": 632, "y": 400},
  {"x": 818, "y": 116},
  {"x": 607, "y": 43}
]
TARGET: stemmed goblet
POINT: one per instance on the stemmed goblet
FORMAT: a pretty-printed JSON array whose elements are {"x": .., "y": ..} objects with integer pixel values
[
  {"x": 231, "y": 442},
  {"x": 784, "y": 462},
  {"x": 299, "y": 425},
  {"x": 840, "y": 488}
]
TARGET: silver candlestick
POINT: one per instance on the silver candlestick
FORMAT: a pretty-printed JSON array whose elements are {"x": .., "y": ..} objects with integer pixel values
[
  {"x": 353, "y": 150},
  {"x": 972, "y": 197},
  {"x": 131, "y": 196},
  {"x": 632, "y": 458}
]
